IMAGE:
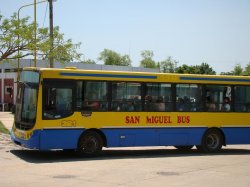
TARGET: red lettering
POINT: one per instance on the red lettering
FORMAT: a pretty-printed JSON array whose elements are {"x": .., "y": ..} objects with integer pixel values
[
  {"x": 132, "y": 119},
  {"x": 179, "y": 119},
  {"x": 137, "y": 119},
  {"x": 127, "y": 119},
  {"x": 167, "y": 119},
  {"x": 148, "y": 120},
  {"x": 183, "y": 119},
  {"x": 158, "y": 119}
]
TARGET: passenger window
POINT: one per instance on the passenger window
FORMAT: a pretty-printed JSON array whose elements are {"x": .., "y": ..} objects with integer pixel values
[
  {"x": 126, "y": 96},
  {"x": 218, "y": 98},
  {"x": 57, "y": 102},
  {"x": 188, "y": 97},
  {"x": 242, "y": 98},
  {"x": 91, "y": 95},
  {"x": 158, "y": 97}
]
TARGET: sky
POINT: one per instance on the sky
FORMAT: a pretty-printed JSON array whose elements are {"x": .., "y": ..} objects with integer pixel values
[{"x": 216, "y": 32}]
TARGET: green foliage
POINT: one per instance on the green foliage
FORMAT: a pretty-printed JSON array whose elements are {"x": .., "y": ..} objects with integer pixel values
[
  {"x": 147, "y": 59},
  {"x": 110, "y": 57},
  {"x": 168, "y": 66},
  {"x": 16, "y": 35},
  {"x": 3, "y": 129},
  {"x": 184, "y": 69},
  {"x": 88, "y": 61},
  {"x": 204, "y": 68},
  {"x": 247, "y": 70},
  {"x": 238, "y": 70}
]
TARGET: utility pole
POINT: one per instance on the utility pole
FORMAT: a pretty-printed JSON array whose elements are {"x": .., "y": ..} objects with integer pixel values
[
  {"x": 35, "y": 32},
  {"x": 51, "y": 58}
]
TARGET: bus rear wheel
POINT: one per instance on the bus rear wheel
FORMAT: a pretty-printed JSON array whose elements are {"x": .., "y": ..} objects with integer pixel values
[
  {"x": 90, "y": 144},
  {"x": 212, "y": 141}
]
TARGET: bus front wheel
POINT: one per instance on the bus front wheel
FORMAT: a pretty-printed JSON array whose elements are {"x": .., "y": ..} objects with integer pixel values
[
  {"x": 212, "y": 141},
  {"x": 90, "y": 144}
]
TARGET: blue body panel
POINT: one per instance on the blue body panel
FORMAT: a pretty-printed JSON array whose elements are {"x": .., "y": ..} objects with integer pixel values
[
  {"x": 128, "y": 137},
  {"x": 237, "y": 135},
  {"x": 59, "y": 139},
  {"x": 153, "y": 136}
]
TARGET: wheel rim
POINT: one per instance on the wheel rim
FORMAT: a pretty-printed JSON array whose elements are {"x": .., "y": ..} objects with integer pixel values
[
  {"x": 212, "y": 141},
  {"x": 89, "y": 145}
]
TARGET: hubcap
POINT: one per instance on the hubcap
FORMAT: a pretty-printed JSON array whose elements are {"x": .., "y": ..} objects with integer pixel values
[
  {"x": 212, "y": 141},
  {"x": 89, "y": 145}
]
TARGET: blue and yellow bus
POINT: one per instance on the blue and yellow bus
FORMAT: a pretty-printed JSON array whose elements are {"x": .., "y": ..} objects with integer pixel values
[{"x": 86, "y": 110}]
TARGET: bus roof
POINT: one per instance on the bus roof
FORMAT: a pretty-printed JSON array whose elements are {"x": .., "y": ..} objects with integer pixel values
[{"x": 73, "y": 73}]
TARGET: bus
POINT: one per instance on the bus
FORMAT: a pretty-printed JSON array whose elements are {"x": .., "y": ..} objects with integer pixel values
[{"x": 86, "y": 110}]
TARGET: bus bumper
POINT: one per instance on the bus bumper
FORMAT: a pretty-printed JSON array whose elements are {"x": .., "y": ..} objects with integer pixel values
[
  {"x": 48, "y": 139},
  {"x": 31, "y": 143}
]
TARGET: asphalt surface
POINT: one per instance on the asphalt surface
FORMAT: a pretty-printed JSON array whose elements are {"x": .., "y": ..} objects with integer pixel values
[{"x": 151, "y": 166}]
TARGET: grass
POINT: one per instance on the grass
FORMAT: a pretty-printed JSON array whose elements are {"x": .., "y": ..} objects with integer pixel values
[{"x": 3, "y": 129}]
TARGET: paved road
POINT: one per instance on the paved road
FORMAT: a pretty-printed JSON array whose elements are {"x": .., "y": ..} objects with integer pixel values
[{"x": 158, "y": 166}]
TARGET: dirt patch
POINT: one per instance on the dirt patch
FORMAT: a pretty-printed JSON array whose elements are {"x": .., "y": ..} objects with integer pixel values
[{"x": 5, "y": 142}]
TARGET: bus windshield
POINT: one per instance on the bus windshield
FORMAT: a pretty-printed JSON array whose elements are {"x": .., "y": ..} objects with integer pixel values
[{"x": 26, "y": 102}]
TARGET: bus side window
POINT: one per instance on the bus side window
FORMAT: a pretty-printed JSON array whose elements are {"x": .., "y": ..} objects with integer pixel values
[
  {"x": 95, "y": 96},
  {"x": 160, "y": 106},
  {"x": 218, "y": 98},
  {"x": 188, "y": 97},
  {"x": 242, "y": 98},
  {"x": 57, "y": 99},
  {"x": 58, "y": 102},
  {"x": 158, "y": 97},
  {"x": 126, "y": 96}
]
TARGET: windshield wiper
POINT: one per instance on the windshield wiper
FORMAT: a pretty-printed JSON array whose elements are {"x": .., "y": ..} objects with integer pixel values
[{"x": 23, "y": 83}]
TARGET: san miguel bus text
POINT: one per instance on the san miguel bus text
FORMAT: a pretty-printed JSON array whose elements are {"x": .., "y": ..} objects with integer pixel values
[{"x": 161, "y": 120}]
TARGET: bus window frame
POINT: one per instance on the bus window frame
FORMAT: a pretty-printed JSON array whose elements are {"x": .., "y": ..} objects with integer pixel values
[
  {"x": 127, "y": 100},
  {"x": 234, "y": 97},
  {"x": 75, "y": 100},
  {"x": 232, "y": 101},
  {"x": 59, "y": 84}
]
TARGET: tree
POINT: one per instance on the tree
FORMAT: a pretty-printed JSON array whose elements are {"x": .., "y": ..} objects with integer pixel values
[
  {"x": 168, "y": 66},
  {"x": 110, "y": 57},
  {"x": 88, "y": 61},
  {"x": 247, "y": 69},
  {"x": 147, "y": 59},
  {"x": 10, "y": 29},
  {"x": 185, "y": 69},
  {"x": 238, "y": 70},
  {"x": 204, "y": 68}
]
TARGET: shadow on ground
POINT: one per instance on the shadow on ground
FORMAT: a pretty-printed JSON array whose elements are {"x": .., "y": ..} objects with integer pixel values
[{"x": 34, "y": 156}]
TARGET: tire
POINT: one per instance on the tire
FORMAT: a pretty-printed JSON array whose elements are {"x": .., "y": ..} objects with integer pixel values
[
  {"x": 90, "y": 144},
  {"x": 212, "y": 141},
  {"x": 184, "y": 147}
]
